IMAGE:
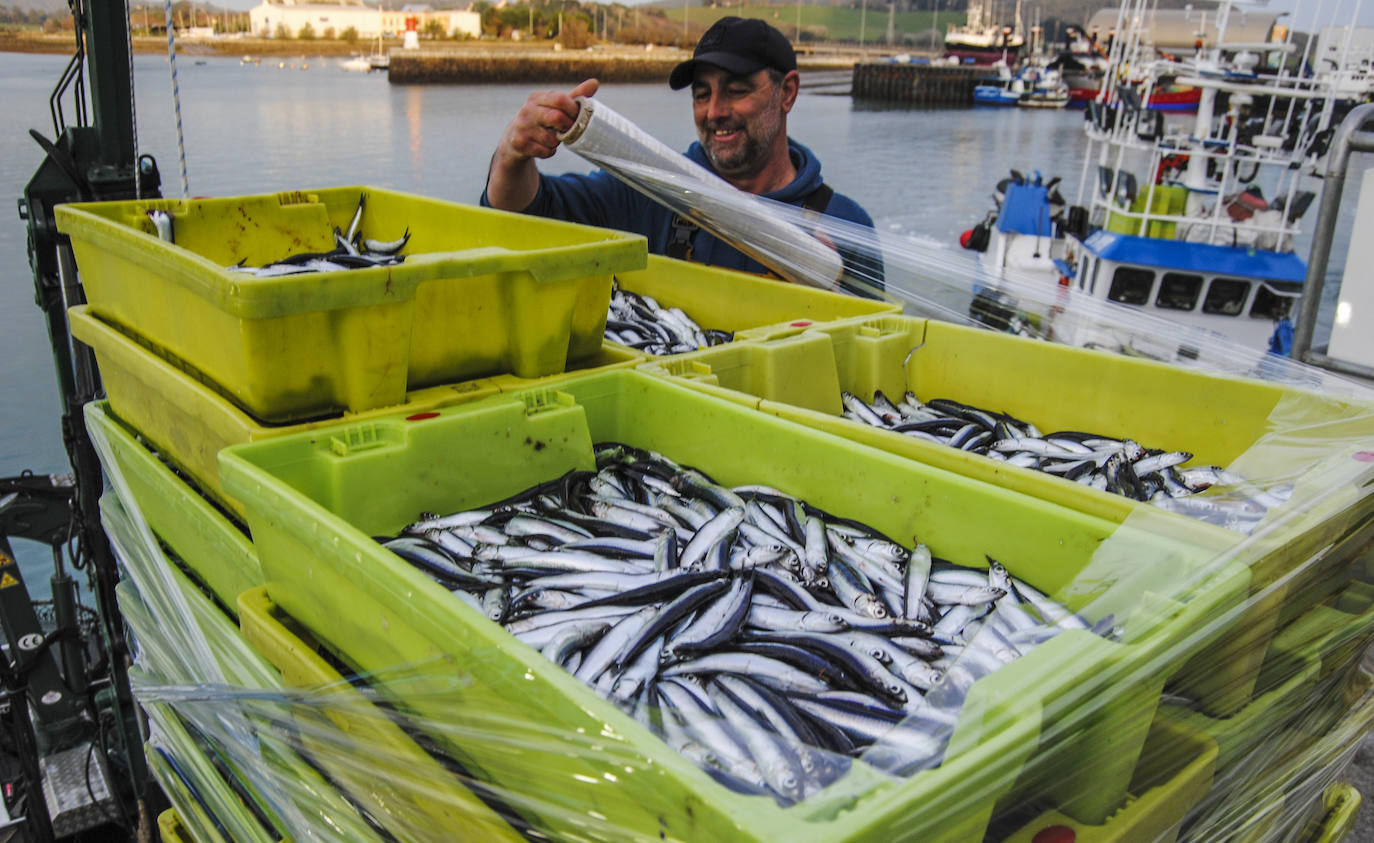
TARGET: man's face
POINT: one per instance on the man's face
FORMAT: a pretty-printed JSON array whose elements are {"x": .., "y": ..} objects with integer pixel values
[{"x": 739, "y": 118}]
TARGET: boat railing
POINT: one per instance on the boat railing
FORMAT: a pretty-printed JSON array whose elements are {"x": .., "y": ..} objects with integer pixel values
[
  {"x": 1272, "y": 152},
  {"x": 1117, "y": 198},
  {"x": 1355, "y": 134}
]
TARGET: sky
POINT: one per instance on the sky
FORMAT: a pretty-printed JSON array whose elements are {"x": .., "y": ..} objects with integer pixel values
[{"x": 1303, "y": 13}]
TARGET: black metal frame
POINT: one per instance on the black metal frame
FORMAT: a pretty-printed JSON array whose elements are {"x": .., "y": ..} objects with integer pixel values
[{"x": 94, "y": 159}]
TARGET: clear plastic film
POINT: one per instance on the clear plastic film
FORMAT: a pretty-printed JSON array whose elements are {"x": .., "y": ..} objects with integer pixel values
[
  {"x": 733, "y": 595},
  {"x": 946, "y": 284},
  {"x": 1122, "y": 671},
  {"x": 604, "y": 137}
]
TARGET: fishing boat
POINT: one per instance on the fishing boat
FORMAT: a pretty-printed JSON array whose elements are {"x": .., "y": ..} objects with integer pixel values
[
  {"x": 981, "y": 39},
  {"x": 1192, "y": 217},
  {"x": 1005, "y": 88},
  {"x": 1045, "y": 89},
  {"x": 357, "y": 64}
]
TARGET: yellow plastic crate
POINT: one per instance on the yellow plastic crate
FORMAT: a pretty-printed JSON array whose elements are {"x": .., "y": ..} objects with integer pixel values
[
  {"x": 1342, "y": 803},
  {"x": 218, "y": 552},
  {"x": 481, "y": 292},
  {"x": 798, "y": 375},
  {"x": 1174, "y": 773},
  {"x": 170, "y": 828},
  {"x": 315, "y": 504},
  {"x": 1280, "y": 794},
  {"x": 188, "y": 421},
  {"x": 418, "y": 797}
]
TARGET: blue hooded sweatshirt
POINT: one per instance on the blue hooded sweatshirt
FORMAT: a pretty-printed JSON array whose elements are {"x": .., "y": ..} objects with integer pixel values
[{"x": 603, "y": 200}]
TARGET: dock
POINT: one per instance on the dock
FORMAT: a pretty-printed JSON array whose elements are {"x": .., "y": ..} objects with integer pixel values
[
  {"x": 915, "y": 84},
  {"x": 449, "y": 65},
  {"x": 410, "y": 67}
]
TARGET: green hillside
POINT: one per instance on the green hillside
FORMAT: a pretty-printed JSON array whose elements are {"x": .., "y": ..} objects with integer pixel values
[{"x": 825, "y": 22}]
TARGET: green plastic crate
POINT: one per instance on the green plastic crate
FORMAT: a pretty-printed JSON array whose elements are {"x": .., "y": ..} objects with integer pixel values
[
  {"x": 419, "y": 798},
  {"x": 314, "y": 501},
  {"x": 213, "y": 547},
  {"x": 481, "y": 292},
  {"x": 798, "y": 375},
  {"x": 751, "y": 306},
  {"x": 1174, "y": 773}
]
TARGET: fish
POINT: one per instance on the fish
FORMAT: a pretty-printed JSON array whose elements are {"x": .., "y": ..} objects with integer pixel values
[
  {"x": 1120, "y": 466},
  {"x": 642, "y": 323},
  {"x": 351, "y": 251},
  {"x": 764, "y": 638}
]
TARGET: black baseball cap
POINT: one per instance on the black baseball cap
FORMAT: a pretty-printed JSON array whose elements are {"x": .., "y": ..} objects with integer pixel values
[{"x": 739, "y": 45}]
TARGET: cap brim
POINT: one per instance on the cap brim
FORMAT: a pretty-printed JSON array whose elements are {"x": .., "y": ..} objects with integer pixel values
[{"x": 683, "y": 74}]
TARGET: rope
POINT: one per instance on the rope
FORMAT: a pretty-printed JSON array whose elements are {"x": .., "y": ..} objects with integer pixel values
[
  {"x": 133, "y": 111},
  {"x": 176, "y": 98}
]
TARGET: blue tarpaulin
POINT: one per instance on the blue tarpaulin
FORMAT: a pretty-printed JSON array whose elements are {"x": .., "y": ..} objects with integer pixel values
[{"x": 1026, "y": 210}]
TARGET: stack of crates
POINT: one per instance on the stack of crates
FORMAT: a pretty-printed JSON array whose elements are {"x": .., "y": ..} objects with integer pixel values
[
  {"x": 197, "y": 354},
  {"x": 314, "y": 412},
  {"x": 1307, "y": 618}
]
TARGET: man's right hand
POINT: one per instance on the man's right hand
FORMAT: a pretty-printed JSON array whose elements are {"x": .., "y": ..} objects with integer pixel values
[{"x": 513, "y": 179}]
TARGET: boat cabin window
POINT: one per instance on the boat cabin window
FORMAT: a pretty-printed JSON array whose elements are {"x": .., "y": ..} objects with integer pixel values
[
  {"x": 1178, "y": 291},
  {"x": 1131, "y": 285},
  {"x": 1274, "y": 300},
  {"x": 1226, "y": 296}
]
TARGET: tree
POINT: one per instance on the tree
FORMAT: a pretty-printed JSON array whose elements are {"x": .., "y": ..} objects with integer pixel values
[
  {"x": 307, "y": 32},
  {"x": 433, "y": 29},
  {"x": 329, "y": 34},
  {"x": 282, "y": 31},
  {"x": 576, "y": 34},
  {"x": 350, "y": 35}
]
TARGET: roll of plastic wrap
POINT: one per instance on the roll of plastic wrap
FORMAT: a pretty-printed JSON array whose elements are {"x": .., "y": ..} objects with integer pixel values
[{"x": 609, "y": 140}]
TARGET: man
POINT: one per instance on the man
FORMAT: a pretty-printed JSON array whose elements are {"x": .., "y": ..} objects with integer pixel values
[{"x": 744, "y": 81}]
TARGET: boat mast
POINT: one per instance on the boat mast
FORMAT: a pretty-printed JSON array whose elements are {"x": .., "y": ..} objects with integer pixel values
[{"x": 1208, "y": 59}]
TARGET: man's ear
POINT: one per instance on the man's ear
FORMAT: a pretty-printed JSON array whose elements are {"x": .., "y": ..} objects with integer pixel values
[{"x": 791, "y": 84}]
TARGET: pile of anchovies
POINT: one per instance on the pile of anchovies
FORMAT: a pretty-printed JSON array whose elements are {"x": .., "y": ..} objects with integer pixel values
[
  {"x": 351, "y": 251},
  {"x": 762, "y": 638},
  {"x": 1120, "y": 466},
  {"x": 642, "y": 323}
]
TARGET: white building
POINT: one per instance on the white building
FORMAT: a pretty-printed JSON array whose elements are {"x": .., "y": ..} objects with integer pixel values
[{"x": 266, "y": 18}]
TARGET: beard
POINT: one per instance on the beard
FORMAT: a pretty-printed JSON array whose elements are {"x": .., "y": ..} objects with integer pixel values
[{"x": 745, "y": 157}]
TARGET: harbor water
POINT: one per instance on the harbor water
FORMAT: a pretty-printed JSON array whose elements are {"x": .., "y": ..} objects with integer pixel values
[{"x": 300, "y": 123}]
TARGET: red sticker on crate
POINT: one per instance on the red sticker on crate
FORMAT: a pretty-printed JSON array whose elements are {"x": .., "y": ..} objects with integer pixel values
[
  {"x": 1364, "y": 456},
  {"x": 801, "y": 324},
  {"x": 422, "y": 416},
  {"x": 1055, "y": 834}
]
